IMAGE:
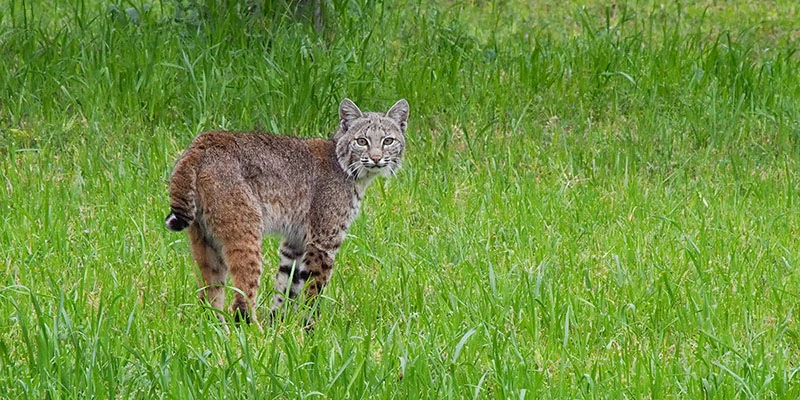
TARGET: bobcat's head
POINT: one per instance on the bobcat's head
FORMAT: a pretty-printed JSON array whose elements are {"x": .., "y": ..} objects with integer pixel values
[{"x": 370, "y": 143}]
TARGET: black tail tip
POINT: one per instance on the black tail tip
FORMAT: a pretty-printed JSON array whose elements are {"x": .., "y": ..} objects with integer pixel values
[{"x": 175, "y": 223}]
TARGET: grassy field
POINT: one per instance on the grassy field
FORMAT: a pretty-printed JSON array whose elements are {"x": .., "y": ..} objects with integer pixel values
[{"x": 597, "y": 201}]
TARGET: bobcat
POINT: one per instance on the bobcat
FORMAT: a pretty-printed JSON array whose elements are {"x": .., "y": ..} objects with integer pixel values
[{"x": 229, "y": 189}]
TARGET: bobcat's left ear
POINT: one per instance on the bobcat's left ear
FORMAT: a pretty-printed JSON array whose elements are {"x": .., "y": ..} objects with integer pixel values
[{"x": 399, "y": 113}]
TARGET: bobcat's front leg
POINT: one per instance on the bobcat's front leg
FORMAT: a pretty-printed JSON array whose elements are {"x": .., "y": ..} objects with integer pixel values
[
  {"x": 291, "y": 263},
  {"x": 318, "y": 268},
  {"x": 316, "y": 272}
]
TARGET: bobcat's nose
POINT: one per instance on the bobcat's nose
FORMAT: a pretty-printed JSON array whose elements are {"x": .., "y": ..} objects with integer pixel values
[{"x": 375, "y": 159}]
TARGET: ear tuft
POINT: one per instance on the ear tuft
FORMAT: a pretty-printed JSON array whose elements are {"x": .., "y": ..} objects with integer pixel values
[
  {"x": 348, "y": 112},
  {"x": 399, "y": 113}
]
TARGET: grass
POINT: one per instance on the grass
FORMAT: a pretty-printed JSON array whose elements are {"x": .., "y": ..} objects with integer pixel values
[{"x": 598, "y": 202}]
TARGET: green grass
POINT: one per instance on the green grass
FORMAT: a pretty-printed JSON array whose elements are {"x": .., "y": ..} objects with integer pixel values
[{"x": 597, "y": 202}]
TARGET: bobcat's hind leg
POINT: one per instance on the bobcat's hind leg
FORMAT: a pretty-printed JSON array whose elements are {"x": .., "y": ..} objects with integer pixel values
[
  {"x": 233, "y": 216},
  {"x": 243, "y": 256},
  {"x": 241, "y": 249},
  {"x": 213, "y": 270}
]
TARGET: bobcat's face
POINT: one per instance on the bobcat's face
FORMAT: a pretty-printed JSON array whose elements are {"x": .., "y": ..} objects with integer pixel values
[
  {"x": 371, "y": 144},
  {"x": 378, "y": 146}
]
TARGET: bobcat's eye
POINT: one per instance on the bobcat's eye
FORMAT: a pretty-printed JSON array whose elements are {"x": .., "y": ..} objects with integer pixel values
[
  {"x": 388, "y": 141},
  {"x": 361, "y": 141}
]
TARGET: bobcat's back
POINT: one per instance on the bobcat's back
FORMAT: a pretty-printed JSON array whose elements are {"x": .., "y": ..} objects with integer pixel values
[{"x": 279, "y": 173}]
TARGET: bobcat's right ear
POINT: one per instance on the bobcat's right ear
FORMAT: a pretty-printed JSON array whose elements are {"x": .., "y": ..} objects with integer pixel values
[{"x": 348, "y": 112}]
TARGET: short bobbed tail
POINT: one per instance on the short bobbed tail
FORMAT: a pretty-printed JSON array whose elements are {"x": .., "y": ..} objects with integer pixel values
[{"x": 183, "y": 192}]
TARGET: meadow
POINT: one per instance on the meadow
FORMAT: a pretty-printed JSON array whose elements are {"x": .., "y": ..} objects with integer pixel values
[{"x": 598, "y": 200}]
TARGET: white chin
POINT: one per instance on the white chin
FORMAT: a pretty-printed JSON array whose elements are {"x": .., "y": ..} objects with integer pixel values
[{"x": 375, "y": 171}]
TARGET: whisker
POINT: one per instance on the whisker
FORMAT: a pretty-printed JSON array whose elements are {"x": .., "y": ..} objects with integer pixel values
[
  {"x": 392, "y": 166},
  {"x": 356, "y": 169},
  {"x": 353, "y": 169}
]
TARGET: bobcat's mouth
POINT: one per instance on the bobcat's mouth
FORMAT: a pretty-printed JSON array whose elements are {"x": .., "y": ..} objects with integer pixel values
[
  {"x": 375, "y": 165},
  {"x": 368, "y": 167}
]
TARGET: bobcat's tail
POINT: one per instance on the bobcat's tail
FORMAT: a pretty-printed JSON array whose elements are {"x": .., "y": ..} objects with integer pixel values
[{"x": 182, "y": 192}]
